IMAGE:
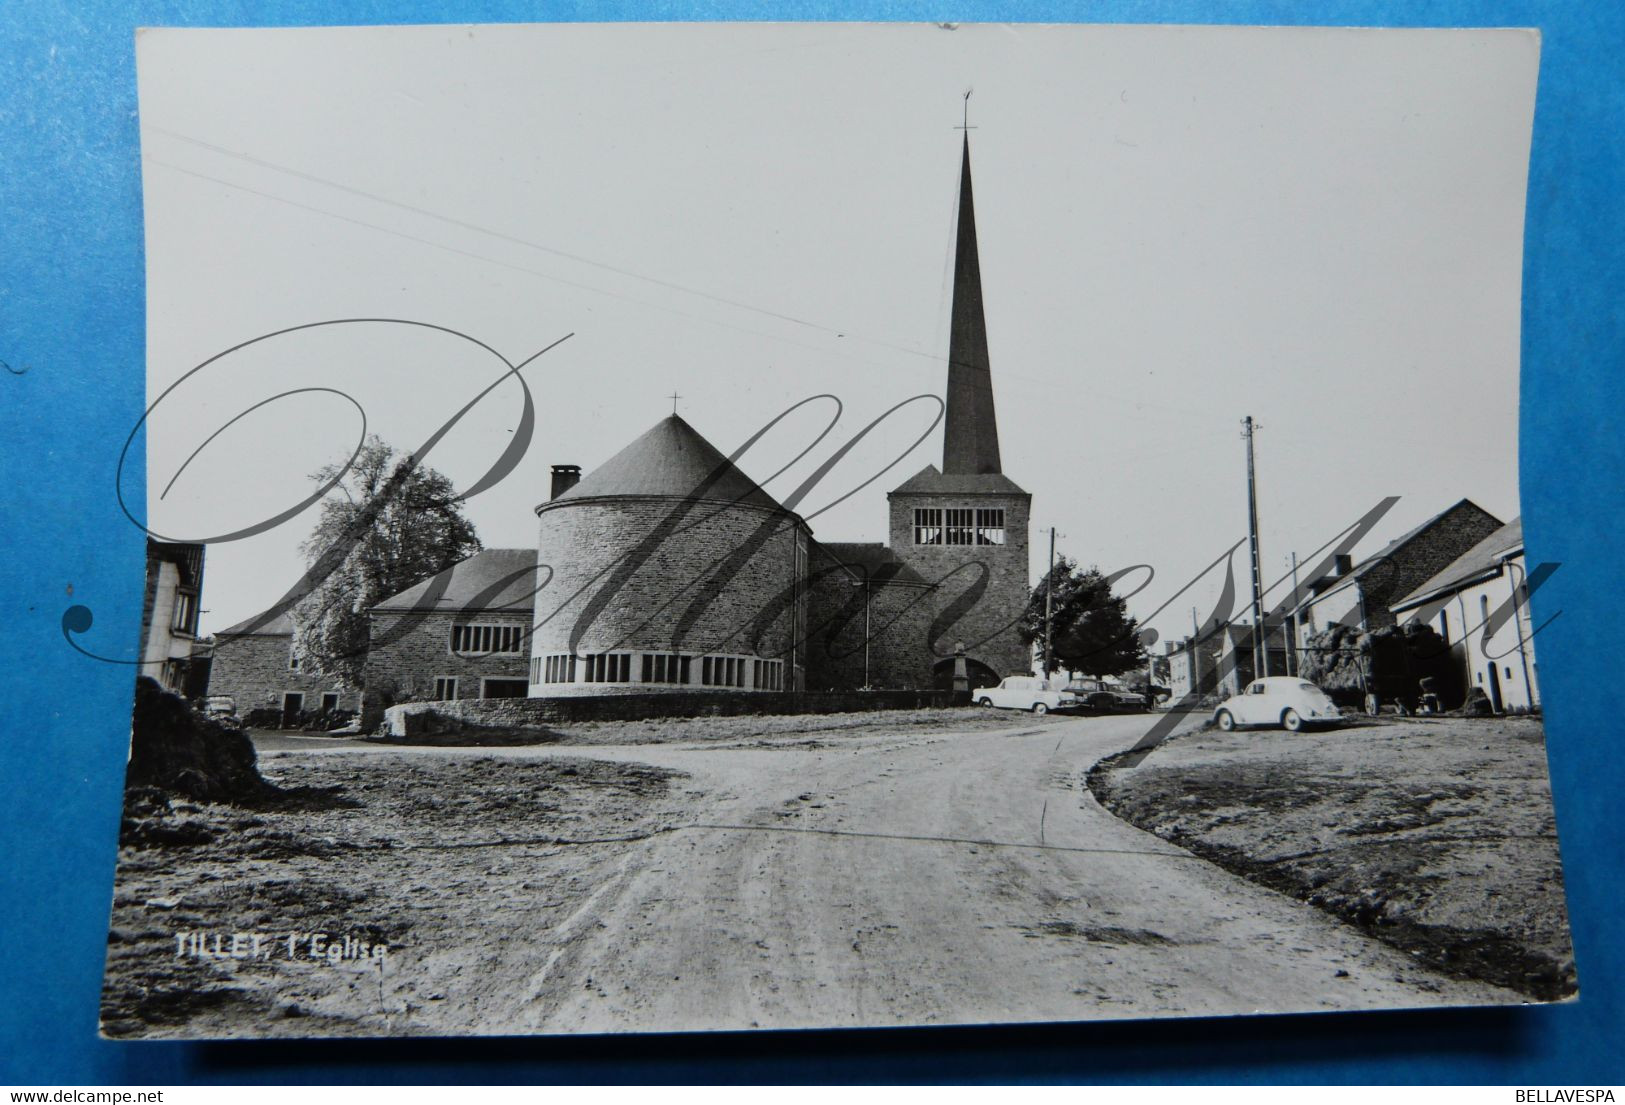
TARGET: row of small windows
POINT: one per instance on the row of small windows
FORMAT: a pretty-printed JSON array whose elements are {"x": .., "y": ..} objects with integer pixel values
[
  {"x": 488, "y": 639},
  {"x": 722, "y": 671},
  {"x": 935, "y": 525},
  {"x": 658, "y": 667}
]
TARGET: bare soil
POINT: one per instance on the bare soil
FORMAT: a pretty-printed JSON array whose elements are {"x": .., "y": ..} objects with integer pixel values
[
  {"x": 1436, "y": 835},
  {"x": 415, "y": 849},
  {"x": 382, "y": 848}
]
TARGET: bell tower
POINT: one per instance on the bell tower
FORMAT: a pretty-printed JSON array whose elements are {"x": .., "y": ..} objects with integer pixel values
[{"x": 964, "y": 527}]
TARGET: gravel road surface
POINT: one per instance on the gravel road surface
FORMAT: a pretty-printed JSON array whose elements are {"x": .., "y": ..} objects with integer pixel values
[{"x": 949, "y": 878}]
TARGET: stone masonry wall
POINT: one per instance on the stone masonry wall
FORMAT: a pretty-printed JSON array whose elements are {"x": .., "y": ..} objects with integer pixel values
[
  {"x": 989, "y": 626},
  {"x": 477, "y": 719},
  {"x": 1424, "y": 557},
  {"x": 411, "y": 650},
  {"x": 658, "y": 574},
  {"x": 899, "y": 620},
  {"x": 254, "y": 671}
]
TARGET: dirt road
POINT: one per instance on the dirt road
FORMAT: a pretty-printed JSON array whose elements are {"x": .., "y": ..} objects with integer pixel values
[
  {"x": 853, "y": 877},
  {"x": 930, "y": 879}
]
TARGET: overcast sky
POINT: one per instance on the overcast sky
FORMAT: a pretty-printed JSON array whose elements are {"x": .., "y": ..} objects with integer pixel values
[{"x": 1178, "y": 227}]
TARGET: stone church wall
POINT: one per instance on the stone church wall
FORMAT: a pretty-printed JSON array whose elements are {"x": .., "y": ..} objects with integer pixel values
[
  {"x": 628, "y": 571},
  {"x": 989, "y": 626},
  {"x": 899, "y": 622}
]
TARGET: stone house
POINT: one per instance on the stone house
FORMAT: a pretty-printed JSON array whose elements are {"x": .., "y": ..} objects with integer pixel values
[
  {"x": 255, "y": 665},
  {"x": 1479, "y": 604},
  {"x": 1361, "y": 594}
]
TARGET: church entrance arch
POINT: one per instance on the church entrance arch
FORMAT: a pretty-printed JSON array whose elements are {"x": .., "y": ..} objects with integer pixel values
[{"x": 942, "y": 674}]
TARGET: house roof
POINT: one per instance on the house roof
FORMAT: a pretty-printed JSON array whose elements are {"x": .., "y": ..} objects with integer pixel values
[
  {"x": 670, "y": 460},
  {"x": 1328, "y": 583},
  {"x": 502, "y": 580},
  {"x": 1482, "y": 559},
  {"x": 279, "y": 626},
  {"x": 929, "y": 480},
  {"x": 873, "y": 559},
  {"x": 1240, "y": 635}
]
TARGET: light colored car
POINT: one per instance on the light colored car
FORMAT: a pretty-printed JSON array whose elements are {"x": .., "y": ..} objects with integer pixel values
[
  {"x": 1283, "y": 700},
  {"x": 1026, "y": 692},
  {"x": 220, "y": 705}
]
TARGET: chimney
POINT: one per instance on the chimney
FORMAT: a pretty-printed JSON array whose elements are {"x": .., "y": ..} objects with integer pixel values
[
  {"x": 565, "y": 476},
  {"x": 1342, "y": 563}
]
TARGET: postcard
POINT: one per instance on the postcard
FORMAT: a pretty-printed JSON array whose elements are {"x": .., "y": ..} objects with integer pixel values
[{"x": 750, "y": 526}]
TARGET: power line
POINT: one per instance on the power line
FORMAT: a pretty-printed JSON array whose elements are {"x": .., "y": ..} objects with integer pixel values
[{"x": 837, "y": 332}]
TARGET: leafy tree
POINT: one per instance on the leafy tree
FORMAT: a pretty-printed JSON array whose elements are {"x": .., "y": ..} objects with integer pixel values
[
  {"x": 394, "y": 525},
  {"x": 1090, "y": 627}
]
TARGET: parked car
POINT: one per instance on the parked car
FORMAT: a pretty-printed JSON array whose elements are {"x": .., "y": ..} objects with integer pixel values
[
  {"x": 1026, "y": 692},
  {"x": 1103, "y": 697},
  {"x": 1282, "y": 700},
  {"x": 220, "y": 705}
]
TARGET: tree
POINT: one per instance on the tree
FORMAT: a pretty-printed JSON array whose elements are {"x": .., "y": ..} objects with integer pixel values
[
  {"x": 394, "y": 525},
  {"x": 1090, "y": 627}
]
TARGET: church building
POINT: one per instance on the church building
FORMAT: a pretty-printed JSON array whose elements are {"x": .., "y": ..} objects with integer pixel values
[{"x": 668, "y": 569}]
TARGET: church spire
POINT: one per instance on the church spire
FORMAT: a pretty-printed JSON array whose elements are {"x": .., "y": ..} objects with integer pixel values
[{"x": 971, "y": 432}]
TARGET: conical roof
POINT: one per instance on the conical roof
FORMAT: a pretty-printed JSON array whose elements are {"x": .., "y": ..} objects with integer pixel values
[
  {"x": 971, "y": 429},
  {"x": 671, "y": 460}
]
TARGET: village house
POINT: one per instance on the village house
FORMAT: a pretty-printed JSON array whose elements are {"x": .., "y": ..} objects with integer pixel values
[
  {"x": 1193, "y": 664},
  {"x": 169, "y": 615},
  {"x": 1479, "y": 605},
  {"x": 1237, "y": 665},
  {"x": 256, "y": 667},
  {"x": 1360, "y": 594}
]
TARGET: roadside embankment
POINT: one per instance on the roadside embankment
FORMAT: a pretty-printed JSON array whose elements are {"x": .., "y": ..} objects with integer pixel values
[{"x": 1436, "y": 835}]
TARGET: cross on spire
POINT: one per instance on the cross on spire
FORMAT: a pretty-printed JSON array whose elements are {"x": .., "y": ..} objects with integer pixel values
[
  {"x": 965, "y": 124},
  {"x": 674, "y": 397}
]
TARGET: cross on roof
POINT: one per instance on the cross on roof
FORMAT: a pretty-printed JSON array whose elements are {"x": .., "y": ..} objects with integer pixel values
[
  {"x": 674, "y": 397},
  {"x": 965, "y": 125}
]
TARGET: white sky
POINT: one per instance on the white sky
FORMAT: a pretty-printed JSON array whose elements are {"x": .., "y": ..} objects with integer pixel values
[{"x": 1178, "y": 227}]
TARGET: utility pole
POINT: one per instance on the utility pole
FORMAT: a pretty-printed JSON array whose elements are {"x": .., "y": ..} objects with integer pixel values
[
  {"x": 1292, "y": 659},
  {"x": 1049, "y": 596},
  {"x": 1260, "y": 651}
]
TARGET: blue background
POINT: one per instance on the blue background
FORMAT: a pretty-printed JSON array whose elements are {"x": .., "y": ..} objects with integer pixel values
[{"x": 71, "y": 332}]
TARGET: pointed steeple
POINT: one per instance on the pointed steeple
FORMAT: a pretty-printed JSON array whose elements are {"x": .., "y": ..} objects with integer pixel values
[{"x": 971, "y": 431}]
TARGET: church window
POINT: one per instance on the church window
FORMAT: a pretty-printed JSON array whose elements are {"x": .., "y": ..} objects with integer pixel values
[
  {"x": 959, "y": 526},
  {"x": 445, "y": 688},
  {"x": 558, "y": 668},
  {"x": 293, "y": 660},
  {"x": 769, "y": 674},
  {"x": 661, "y": 667},
  {"x": 487, "y": 639},
  {"x": 989, "y": 526},
  {"x": 928, "y": 525},
  {"x": 607, "y": 667}
]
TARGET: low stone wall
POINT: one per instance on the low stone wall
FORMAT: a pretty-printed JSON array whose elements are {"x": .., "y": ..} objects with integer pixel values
[{"x": 493, "y": 716}]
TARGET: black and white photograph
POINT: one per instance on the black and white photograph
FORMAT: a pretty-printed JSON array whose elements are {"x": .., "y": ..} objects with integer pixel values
[{"x": 685, "y": 527}]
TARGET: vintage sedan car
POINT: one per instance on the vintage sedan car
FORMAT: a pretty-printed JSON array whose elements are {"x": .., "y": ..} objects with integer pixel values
[
  {"x": 1105, "y": 698},
  {"x": 1283, "y": 700},
  {"x": 1026, "y": 692}
]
